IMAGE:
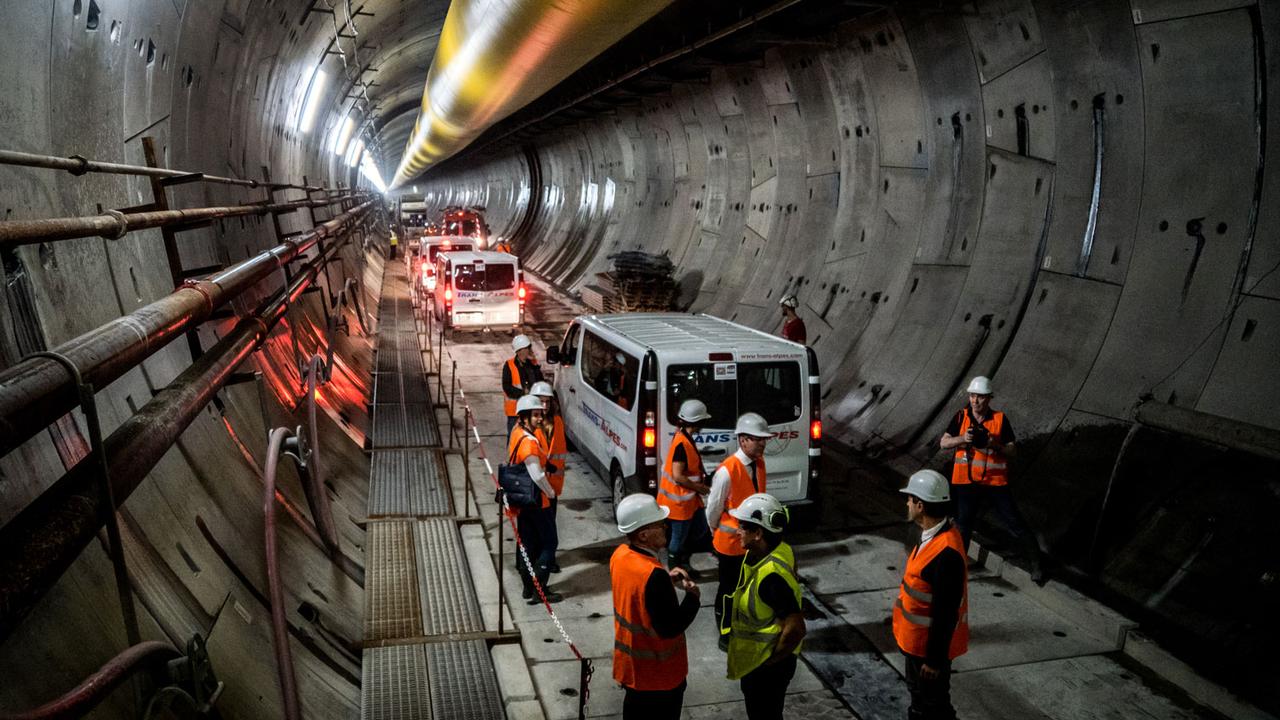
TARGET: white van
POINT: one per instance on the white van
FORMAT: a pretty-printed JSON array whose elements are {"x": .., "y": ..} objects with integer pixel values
[
  {"x": 622, "y": 379},
  {"x": 431, "y": 247},
  {"x": 479, "y": 290}
]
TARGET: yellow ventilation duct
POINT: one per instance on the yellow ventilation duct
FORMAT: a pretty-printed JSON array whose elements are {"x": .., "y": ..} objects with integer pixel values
[{"x": 496, "y": 56}]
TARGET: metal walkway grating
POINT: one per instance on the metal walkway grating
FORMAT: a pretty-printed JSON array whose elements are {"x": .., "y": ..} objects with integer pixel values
[
  {"x": 409, "y": 482},
  {"x": 404, "y": 426},
  {"x": 394, "y": 684},
  {"x": 392, "y": 605},
  {"x": 407, "y": 361},
  {"x": 419, "y": 595},
  {"x": 395, "y": 388},
  {"x": 449, "y": 603},
  {"x": 462, "y": 680}
]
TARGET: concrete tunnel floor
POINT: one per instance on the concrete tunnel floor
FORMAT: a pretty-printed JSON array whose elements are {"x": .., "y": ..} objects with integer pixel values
[{"x": 1035, "y": 652}]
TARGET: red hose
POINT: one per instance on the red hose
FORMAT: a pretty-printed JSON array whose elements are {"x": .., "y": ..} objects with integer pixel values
[
  {"x": 95, "y": 688},
  {"x": 279, "y": 628}
]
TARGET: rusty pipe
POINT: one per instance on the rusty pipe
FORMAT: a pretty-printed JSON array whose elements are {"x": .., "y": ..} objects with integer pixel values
[
  {"x": 77, "y": 165},
  {"x": 84, "y": 697},
  {"x": 114, "y": 224},
  {"x": 36, "y": 391},
  {"x": 46, "y": 536},
  {"x": 279, "y": 625}
]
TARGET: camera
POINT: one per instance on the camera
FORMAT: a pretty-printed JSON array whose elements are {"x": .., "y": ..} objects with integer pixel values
[{"x": 981, "y": 436}]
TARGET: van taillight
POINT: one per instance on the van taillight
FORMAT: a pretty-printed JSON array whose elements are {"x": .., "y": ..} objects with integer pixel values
[
  {"x": 650, "y": 431},
  {"x": 815, "y": 429},
  {"x": 522, "y": 293},
  {"x": 448, "y": 294},
  {"x": 720, "y": 357}
]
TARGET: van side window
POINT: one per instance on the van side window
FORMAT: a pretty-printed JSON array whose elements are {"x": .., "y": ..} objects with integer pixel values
[
  {"x": 602, "y": 370},
  {"x": 569, "y": 348}
]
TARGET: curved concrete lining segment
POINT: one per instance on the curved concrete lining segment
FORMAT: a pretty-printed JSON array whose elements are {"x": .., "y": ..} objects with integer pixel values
[
  {"x": 1079, "y": 199},
  {"x": 1070, "y": 198}
]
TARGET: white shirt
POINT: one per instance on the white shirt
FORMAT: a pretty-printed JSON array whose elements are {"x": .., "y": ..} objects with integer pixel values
[
  {"x": 928, "y": 535},
  {"x": 720, "y": 490}
]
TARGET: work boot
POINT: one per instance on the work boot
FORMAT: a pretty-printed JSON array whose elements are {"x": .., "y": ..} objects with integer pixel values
[
  {"x": 723, "y": 643},
  {"x": 551, "y": 595},
  {"x": 554, "y": 568}
]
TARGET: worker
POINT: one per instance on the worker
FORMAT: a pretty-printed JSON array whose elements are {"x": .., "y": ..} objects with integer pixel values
[
  {"x": 394, "y": 242},
  {"x": 766, "y": 624},
  {"x": 551, "y": 435},
  {"x": 650, "y": 660},
  {"x": 525, "y": 447},
  {"x": 519, "y": 374},
  {"x": 792, "y": 325},
  {"x": 502, "y": 246},
  {"x": 930, "y": 617},
  {"x": 611, "y": 381},
  {"x": 983, "y": 441},
  {"x": 683, "y": 486},
  {"x": 740, "y": 476}
]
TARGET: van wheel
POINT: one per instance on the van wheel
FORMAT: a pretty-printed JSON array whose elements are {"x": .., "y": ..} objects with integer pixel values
[{"x": 619, "y": 485}]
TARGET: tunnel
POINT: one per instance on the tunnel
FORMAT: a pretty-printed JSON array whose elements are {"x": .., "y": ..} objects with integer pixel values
[{"x": 1074, "y": 198}]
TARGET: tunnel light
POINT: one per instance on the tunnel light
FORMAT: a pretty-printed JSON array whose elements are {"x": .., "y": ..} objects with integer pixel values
[
  {"x": 370, "y": 170},
  {"x": 343, "y": 138},
  {"x": 311, "y": 100},
  {"x": 353, "y": 153}
]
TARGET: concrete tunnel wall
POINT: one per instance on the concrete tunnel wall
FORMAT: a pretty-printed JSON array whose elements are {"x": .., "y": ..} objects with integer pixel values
[
  {"x": 924, "y": 183},
  {"x": 216, "y": 84},
  {"x": 924, "y": 247}
]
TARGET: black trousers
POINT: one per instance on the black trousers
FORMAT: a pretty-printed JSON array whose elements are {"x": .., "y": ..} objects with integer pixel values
[
  {"x": 730, "y": 567},
  {"x": 765, "y": 689},
  {"x": 971, "y": 504},
  {"x": 653, "y": 704},
  {"x": 930, "y": 699},
  {"x": 529, "y": 522}
]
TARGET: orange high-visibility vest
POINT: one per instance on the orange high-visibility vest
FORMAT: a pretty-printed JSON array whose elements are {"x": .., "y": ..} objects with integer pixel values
[
  {"x": 641, "y": 659},
  {"x": 913, "y": 611},
  {"x": 509, "y": 405},
  {"x": 725, "y": 537},
  {"x": 557, "y": 451},
  {"x": 981, "y": 467},
  {"x": 521, "y": 445},
  {"x": 682, "y": 501}
]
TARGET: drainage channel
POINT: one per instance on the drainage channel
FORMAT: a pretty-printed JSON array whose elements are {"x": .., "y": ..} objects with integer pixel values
[{"x": 421, "y": 657}]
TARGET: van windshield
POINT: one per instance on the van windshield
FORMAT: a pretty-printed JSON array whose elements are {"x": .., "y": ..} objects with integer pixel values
[
  {"x": 433, "y": 250},
  {"x": 769, "y": 388},
  {"x": 484, "y": 277}
]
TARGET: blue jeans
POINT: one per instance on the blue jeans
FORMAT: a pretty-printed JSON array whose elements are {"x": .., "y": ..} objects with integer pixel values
[{"x": 689, "y": 536}]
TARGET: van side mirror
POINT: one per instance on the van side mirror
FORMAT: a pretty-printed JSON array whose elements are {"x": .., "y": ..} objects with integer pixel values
[{"x": 553, "y": 354}]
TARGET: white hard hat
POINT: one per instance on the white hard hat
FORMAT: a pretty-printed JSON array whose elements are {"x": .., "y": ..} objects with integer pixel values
[
  {"x": 789, "y": 301},
  {"x": 528, "y": 402},
  {"x": 636, "y": 511},
  {"x": 692, "y": 411},
  {"x": 521, "y": 342},
  {"x": 764, "y": 510},
  {"x": 753, "y": 425},
  {"x": 929, "y": 486},
  {"x": 542, "y": 388},
  {"x": 980, "y": 385}
]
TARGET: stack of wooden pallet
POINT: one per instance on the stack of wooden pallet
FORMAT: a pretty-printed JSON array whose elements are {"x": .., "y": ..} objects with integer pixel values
[{"x": 639, "y": 282}]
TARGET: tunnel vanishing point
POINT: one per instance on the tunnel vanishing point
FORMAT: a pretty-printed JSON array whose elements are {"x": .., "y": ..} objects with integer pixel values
[{"x": 1077, "y": 198}]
